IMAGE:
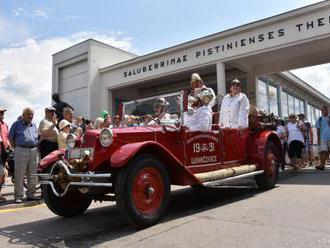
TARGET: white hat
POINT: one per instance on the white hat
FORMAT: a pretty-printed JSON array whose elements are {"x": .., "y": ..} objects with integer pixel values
[
  {"x": 206, "y": 96},
  {"x": 63, "y": 123},
  {"x": 195, "y": 77}
]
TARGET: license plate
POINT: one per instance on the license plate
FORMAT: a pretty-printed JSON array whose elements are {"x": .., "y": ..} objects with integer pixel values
[{"x": 76, "y": 153}]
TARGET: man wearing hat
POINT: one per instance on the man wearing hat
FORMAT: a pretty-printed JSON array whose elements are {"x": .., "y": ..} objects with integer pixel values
[
  {"x": 48, "y": 133},
  {"x": 201, "y": 120},
  {"x": 234, "y": 109},
  {"x": 4, "y": 145},
  {"x": 197, "y": 85}
]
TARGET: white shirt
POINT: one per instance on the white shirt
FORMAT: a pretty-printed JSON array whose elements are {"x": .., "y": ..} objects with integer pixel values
[
  {"x": 165, "y": 118},
  {"x": 294, "y": 133},
  {"x": 234, "y": 111},
  {"x": 201, "y": 120}
]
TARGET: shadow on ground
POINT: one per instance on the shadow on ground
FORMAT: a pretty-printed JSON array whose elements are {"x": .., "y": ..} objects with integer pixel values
[{"x": 103, "y": 224}]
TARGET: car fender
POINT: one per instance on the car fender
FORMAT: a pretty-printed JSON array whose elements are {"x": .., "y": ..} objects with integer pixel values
[
  {"x": 179, "y": 174},
  {"x": 257, "y": 145},
  {"x": 50, "y": 159}
]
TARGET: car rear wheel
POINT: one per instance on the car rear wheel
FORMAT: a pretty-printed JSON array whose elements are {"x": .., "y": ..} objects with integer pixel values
[
  {"x": 143, "y": 191},
  {"x": 268, "y": 179}
]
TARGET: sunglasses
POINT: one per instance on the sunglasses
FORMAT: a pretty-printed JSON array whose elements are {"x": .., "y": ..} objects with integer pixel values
[{"x": 236, "y": 84}]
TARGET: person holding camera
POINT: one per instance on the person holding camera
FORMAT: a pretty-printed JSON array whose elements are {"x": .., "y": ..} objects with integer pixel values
[
  {"x": 48, "y": 133},
  {"x": 4, "y": 146}
]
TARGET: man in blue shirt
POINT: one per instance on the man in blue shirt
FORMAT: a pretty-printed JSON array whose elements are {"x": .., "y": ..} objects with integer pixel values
[
  {"x": 323, "y": 134},
  {"x": 23, "y": 136}
]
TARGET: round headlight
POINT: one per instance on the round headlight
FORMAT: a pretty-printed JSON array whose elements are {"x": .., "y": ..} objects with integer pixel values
[
  {"x": 71, "y": 141},
  {"x": 106, "y": 137}
]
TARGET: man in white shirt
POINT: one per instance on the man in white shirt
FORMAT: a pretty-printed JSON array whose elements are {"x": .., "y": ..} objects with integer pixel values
[
  {"x": 197, "y": 85},
  {"x": 235, "y": 106},
  {"x": 201, "y": 120}
]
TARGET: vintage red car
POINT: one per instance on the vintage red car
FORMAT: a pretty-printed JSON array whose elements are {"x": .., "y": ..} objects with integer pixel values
[{"x": 135, "y": 166}]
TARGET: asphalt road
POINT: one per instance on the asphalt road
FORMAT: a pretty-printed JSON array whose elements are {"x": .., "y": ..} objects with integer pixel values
[{"x": 294, "y": 214}]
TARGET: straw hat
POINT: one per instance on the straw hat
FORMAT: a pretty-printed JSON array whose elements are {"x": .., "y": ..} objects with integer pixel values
[{"x": 63, "y": 123}]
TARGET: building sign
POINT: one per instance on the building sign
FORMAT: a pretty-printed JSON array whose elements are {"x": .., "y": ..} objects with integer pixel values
[{"x": 267, "y": 36}]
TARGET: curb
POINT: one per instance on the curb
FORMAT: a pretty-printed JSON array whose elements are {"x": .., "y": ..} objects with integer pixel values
[{"x": 21, "y": 205}]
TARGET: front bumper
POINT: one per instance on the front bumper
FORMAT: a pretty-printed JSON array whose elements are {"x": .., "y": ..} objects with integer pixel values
[{"x": 88, "y": 179}]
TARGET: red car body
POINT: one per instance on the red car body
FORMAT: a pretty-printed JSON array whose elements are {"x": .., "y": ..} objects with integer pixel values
[{"x": 181, "y": 157}]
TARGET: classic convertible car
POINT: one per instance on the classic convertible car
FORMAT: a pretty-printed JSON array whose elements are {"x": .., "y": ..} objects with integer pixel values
[{"x": 135, "y": 166}]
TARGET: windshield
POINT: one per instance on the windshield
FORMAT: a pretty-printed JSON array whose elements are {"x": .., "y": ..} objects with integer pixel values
[{"x": 164, "y": 109}]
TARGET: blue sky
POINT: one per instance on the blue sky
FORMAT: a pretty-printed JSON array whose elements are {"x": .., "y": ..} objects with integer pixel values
[
  {"x": 151, "y": 25},
  {"x": 31, "y": 31}
]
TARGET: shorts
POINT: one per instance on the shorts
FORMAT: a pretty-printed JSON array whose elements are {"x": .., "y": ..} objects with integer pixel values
[
  {"x": 324, "y": 146},
  {"x": 295, "y": 149}
]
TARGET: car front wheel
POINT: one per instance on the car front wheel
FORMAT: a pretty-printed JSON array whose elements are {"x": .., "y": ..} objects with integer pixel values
[{"x": 143, "y": 191}]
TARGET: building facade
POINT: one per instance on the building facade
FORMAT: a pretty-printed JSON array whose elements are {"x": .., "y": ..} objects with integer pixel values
[{"x": 93, "y": 76}]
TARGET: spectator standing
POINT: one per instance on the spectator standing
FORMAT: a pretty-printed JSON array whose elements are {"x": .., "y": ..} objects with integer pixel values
[
  {"x": 23, "y": 136},
  {"x": 323, "y": 134},
  {"x": 4, "y": 145},
  {"x": 59, "y": 106},
  {"x": 295, "y": 141},
  {"x": 68, "y": 115},
  {"x": 64, "y": 127},
  {"x": 281, "y": 132},
  {"x": 48, "y": 133},
  {"x": 307, "y": 155}
]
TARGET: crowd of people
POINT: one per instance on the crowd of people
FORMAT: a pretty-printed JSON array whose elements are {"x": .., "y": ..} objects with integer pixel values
[
  {"x": 299, "y": 143},
  {"x": 32, "y": 143}
]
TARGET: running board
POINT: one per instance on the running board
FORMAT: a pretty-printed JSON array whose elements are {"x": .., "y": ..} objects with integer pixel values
[{"x": 230, "y": 179}]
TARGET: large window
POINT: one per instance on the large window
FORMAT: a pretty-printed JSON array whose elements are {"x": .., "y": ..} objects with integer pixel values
[
  {"x": 296, "y": 106},
  {"x": 285, "y": 111},
  {"x": 262, "y": 96},
  {"x": 272, "y": 96},
  {"x": 301, "y": 104},
  {"x": 291, "y": 104}
]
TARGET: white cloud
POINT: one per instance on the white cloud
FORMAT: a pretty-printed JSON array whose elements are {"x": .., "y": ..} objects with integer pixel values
[
  {"x": 25, "y": 78},
  {"x": 40, "y": 13},
  {"x": 19, "y": 11},
  {"x": 316, "y": 76}
]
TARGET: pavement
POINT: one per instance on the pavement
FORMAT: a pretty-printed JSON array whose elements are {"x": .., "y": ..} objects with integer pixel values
[
  {"x": 8, "y": 192},
  {"x": 294, "y": 214}
]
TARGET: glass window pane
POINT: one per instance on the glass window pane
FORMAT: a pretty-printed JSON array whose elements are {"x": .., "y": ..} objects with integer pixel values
[
  {"x": 285, "y": 111},
  {"x": 262, "y": 96},
  {"x": 301, "y": 103},
  {"x": 296, "y": 106},
  {"x": 291, "y": 104},
  {"x": 272, "y": 94}
]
